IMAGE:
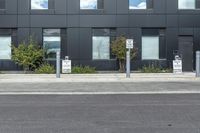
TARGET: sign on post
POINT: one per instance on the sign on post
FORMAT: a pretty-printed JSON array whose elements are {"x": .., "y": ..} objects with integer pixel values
[
  {"x": 177, "y": 66},
  {"x": 66, "y": 66},
  {"x": 129, "y": 43},
  {"x": 129, "y": 46}
]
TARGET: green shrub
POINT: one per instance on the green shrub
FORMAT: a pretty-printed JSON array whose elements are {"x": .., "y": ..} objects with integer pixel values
[
  {"x": 28, "y": 55},
  {"x": 45, "y": 69},
  {"x": 154, "y": 69},
  {"x": 83, "y": 69}
]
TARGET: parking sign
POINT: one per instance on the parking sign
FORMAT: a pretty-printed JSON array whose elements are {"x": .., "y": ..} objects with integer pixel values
[{"x": 129, "y": 43}]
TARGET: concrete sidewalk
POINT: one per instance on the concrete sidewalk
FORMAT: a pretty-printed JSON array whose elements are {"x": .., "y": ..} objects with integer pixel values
[
  {"x": 90, "y": 84},
  {"x": 135, "y": 77}
]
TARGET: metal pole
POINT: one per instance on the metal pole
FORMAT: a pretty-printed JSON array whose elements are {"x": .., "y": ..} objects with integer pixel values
[
  {"x": 198, "y": 64},
  {"x": 58, "y": 64},
  {"x": 128, "y": 59}
]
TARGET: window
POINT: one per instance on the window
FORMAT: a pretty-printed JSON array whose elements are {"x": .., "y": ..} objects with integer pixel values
[
  {"x": 5, "y": 47},
  {"x": 101, "y": 47},
  {"x": 101, "y": 43},
  {"x": 2, "y": 4},
  {"x": 39, "y": 4},
  {"x": 140, "y": 4},
  {"x": 186, "y": 4},
  {"x": 91, "y": 4},
  {"x": 137, "y": 4},
  {"x": 51, "y": 42},
  {"x": 150, "y": 47}
]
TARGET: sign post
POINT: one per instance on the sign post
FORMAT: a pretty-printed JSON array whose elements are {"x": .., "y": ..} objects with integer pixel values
[
  {"x": 129, "y": 46},
  {"x": 198, "y": 64},
  {"x": 58, "y": 64},
  {"x": 66, "y": 65}
]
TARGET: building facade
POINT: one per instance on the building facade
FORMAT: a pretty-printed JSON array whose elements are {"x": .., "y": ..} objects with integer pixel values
[{"x": 83, "y": 30}]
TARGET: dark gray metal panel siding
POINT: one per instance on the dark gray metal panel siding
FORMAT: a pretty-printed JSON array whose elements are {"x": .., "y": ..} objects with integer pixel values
[
  {"x": 55, "y": 21},
  {"x": 60, "y": 6},
  {"x": 73, "y": 43},
  {"x": 77, "y": 44},
  {"x": 85, "y": 44},
  {"x": 8, "y": 21},
  {"x": 97, "y": 21},
  {"x": 11, "y": 7}
]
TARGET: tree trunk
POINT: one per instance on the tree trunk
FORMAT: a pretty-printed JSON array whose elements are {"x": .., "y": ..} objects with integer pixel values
[{"x": 122, "y": 65}]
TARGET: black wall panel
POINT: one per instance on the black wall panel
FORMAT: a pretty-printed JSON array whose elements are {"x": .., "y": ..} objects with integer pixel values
[
  {"x": 85, "y": 44},
  {"x": 110, "y": 6},
  {"x": 23, "y": 21},
  {"x": 8, "y": 21},
  {"x": 159, "y": 6},
  {"x": 73, "y": 6},
  {"x": 98, "y": 21},
  {"x": 122, "y": 20},
  {"x": 48, "y": 21},
  {"x": 60, "y": 6},
  {"x": 23, "y": 34},
  {"x": 73, "y": 21},
  {"x": 11, "y": 6},
  {"x": 23, "y": 6},
  {"x": 73, "y": 48},
  {"x": 172, "y": 21}
]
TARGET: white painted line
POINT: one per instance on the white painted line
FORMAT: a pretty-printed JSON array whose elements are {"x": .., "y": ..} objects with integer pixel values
[{"x": 99, "y": 93}]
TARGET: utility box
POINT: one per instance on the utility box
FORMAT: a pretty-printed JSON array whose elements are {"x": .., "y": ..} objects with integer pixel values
[{"x": 66, "y": 65}]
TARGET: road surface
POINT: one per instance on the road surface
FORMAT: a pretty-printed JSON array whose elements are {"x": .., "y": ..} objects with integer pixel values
[{"x": 174, "y": 113}]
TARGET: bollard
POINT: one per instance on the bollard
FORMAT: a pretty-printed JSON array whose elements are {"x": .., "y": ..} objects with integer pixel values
[
  {"x": 128, "y": 60},
  {"x": 58, "y": 64},
  {"x": 198, "y": 64}
]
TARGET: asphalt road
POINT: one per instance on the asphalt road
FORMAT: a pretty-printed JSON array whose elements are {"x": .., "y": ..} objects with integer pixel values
[{"x": 100, "y": 113}]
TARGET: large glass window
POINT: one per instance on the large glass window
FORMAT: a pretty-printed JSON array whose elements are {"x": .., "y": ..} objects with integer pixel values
[
  {"x": 101, "y": 47},
  {"x": 150, "y": 48},
  {"x": 137, "y": 4},
  {"x": 51, "y": 42},
  {"x": 5, "y": 47},
  {"x": 101, "y": 43},
  {"x": 186, "y": 4},
  {"x": 91, "y": 4},
  {"x": 39, "y": 4}
]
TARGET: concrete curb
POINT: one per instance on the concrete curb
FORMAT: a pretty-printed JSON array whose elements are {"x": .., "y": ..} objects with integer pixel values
[{"x": 72, "y": 78}]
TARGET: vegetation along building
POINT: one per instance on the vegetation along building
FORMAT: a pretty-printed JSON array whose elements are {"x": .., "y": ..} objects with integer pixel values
[{"x": 83, "y": 30}]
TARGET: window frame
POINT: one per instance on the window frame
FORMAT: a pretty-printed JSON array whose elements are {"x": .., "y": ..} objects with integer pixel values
[
  {"x": 157, "y": 36},
  {"x": 10, "y": 46},
  {"x": 93, "y": 48},
  {"x": 111, "y": 35},
  {"x": 43, "y": 46},
  {"x": 97, "y": 6},
  {"x": 149, "y": 6},
  {"x": 185, "y": 9},
  {"x": 30, "y": 7}
]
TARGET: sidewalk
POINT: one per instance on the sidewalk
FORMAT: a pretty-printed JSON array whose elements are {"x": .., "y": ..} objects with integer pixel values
[
  {"x": 91, "y": 84},
  {"x": 135, "y": 77}
]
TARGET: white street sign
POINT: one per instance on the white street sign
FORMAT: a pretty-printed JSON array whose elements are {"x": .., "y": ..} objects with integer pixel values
[
  {"x": 66, "y": 66},
  {"x": 129, "y": 43},
  {"x": 177, "y": 66}
]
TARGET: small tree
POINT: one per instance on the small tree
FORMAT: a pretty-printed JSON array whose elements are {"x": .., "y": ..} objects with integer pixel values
[
  {"x": 28, "y": 55},
  {"x": 118, "y": 48}
]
